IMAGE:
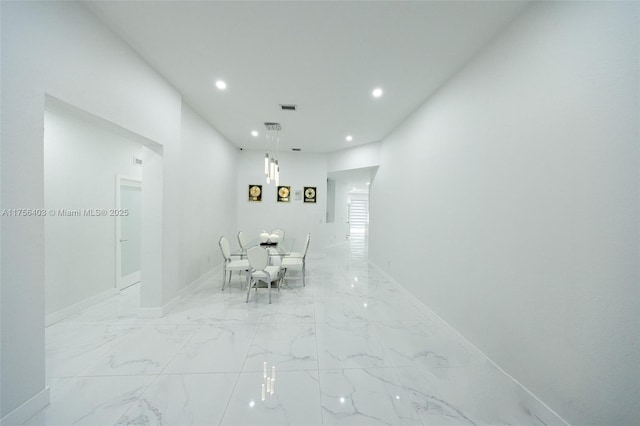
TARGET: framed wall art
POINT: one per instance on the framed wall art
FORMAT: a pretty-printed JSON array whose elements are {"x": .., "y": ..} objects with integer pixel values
[
  {"x": 283, "y": 194},
  {"x": 310, "y": 194},
  {"x": 255, "y": 193}
]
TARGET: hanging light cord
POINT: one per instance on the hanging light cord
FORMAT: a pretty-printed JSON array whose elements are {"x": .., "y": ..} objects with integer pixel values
[{"x": 271, "y": 163}]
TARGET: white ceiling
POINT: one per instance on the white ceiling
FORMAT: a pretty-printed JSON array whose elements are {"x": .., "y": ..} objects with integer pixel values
[{"x": 324, "y": 56}]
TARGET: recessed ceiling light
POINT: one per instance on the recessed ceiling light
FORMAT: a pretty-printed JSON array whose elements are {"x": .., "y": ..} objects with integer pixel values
[
  {"x": 377, "y": 92},
  {"x": 349, "y": 138},
  {"x": 368, "y": 183},
  {"x": 221, "y": 85},
  {"x": 254, "y": 133}
]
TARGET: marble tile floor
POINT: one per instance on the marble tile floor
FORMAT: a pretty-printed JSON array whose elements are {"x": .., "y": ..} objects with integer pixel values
[{"x": 350, "y": 348}]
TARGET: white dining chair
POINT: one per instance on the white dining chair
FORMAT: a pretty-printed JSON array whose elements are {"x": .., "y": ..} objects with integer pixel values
[
  {"x": 261, "y": 271},
  {"x": 297, "y": 263},
  {"x": 230, "y": 265},
  {"x": 243, "y": 242},
  {"x": 299, "y": 253}
]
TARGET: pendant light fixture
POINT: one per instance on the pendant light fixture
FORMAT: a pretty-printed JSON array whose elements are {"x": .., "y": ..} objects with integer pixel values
[{"x": 271, "y": 165}]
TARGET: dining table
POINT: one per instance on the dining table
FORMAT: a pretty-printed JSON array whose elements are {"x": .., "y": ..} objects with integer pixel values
[{"x": 281, "y": 248}]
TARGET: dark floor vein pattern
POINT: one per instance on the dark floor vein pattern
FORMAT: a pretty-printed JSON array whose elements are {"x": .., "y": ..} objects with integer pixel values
[{"x": 350, "y": 348}]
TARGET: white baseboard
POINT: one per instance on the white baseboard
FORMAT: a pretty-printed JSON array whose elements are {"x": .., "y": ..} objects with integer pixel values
[
  {"x": 27, "y": 410},
  {"x": 424, "y": 308},
  {"x": 151, "y": 312},
  {"x": 78, "y": 307},
  {"x": 336, "y": 245},
  {"x": 159, "y": 312}
]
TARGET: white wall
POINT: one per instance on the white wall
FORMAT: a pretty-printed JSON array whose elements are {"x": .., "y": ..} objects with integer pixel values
[
  {"x": 55, "y": 48},
  {"x": 209, "y": 202},
  {"x": 515, "y": 188},
  {"x": 153, "y": 222},
  {"x": 297, "y": 218},
  {"x": 354, "y": 158},
  {"x": 60, "y": 49},
  {"x": 80, "y": 165},
  {"x": 338, "y": 230}
]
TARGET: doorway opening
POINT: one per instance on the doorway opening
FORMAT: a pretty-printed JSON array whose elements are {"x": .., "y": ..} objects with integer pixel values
[
  {"x": 348, "y": 207},
  {"x": 358, "y": 206},
  {"x": 128, "y": 231},
  {"x": 85, "y": 262},
  {"x": 359, "y": 216}
]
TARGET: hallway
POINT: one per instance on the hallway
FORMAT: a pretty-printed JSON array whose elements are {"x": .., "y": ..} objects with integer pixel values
[{"x": 349, "y": 348}]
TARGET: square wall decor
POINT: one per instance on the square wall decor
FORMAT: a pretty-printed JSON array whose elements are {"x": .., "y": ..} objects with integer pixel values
[
  {"x": 310, "y": 194},
  {"x": 283, "y": 194},
  {"x": 255, "y": 193}
]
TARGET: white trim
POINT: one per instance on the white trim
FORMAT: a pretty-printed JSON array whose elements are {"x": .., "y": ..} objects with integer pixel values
[
  {"x": 159, "y": 312},
  {"x": 150, "y": 312},
  {"x": 336, "y": 245},
  {"x": 424, "y": 308},
  {"x": 123, "y": 282},
  {"x": 27, "y": 410},
  {"x": 54, "y": 317}
]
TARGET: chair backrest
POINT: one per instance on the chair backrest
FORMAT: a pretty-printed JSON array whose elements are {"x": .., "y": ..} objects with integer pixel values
[
  {"x": 224, "y": 248},
  {"x": 242, "y": 240},
  {"x": 279, "y": 232},
  {"x": 306, "y": 245},
  {"x": 258, "y": 257}
]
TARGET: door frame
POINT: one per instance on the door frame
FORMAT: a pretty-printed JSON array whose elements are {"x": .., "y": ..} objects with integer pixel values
[{"x": 123, "y": 282}]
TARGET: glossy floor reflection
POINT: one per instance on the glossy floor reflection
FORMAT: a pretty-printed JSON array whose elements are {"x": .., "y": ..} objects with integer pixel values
[{"x": 350, "y": 348}]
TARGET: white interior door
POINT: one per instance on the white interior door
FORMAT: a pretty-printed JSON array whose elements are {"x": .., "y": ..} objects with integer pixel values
[{"x": 128, "y": 231}]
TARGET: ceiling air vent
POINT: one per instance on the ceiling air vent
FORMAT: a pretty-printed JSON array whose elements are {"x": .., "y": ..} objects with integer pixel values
[
  {"x": 296, "y": 149},
  {"x": 289, "y": 107},
  {"x": 272, "y": 126}
]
